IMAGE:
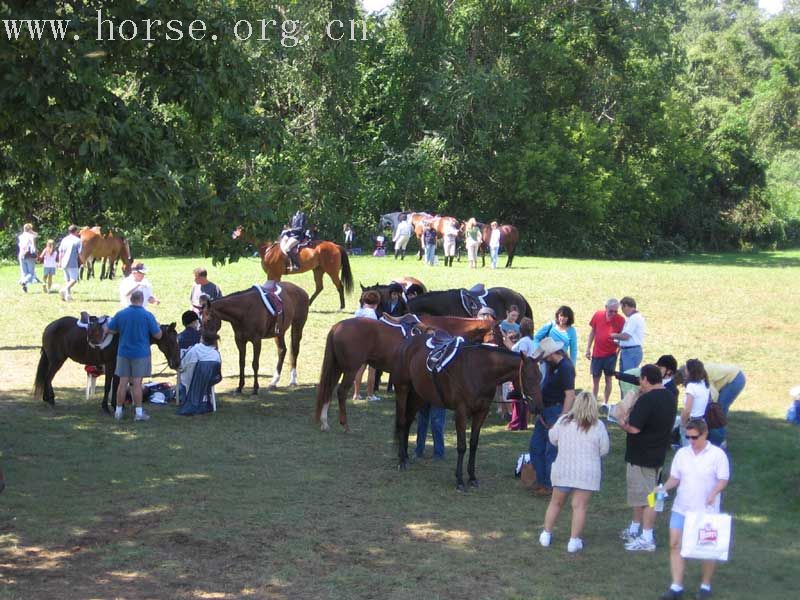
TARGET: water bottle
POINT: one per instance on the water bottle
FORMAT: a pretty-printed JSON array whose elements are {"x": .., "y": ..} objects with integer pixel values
[{"x": 661, "y": 494}]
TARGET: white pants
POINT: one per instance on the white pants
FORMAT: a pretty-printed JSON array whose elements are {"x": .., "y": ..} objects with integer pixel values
[
  {"x": 472, "y": 250},
  {"x": 401, "y": 242},
  {"x": 449, "y": 246},
  {"x": 288, "y": 243}
]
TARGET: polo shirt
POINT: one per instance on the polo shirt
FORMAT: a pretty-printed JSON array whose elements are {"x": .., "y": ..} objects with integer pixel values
[
  {"x": 635, "y": 327},
  {"x": 654, "y": 416},
  {"x": 134, "y": 326},
  {"x": 603, "y": 328},
  {"x": 559, "y": 379},
  {"x": 698, "y": 474}
]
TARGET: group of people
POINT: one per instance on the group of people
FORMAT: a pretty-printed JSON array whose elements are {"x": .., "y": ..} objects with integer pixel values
[{"x": 66, "y": 256}]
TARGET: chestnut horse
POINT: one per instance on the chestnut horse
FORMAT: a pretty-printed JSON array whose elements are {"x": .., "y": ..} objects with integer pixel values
[
  {"x": 318, "y": 256},
  {"x": 252, "y": 322},
  {"x": 466, "y": 386},
  {"x": 439, "y": 224},
  {"x": 63, "y": 339},
  {"x": 109, "y": 247},
  {"x": 509, "y": 237},
  {"x": 354, "y": 342}
]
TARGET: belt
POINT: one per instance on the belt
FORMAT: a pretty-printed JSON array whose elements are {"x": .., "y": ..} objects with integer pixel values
[{"x": 629, "y": 347}]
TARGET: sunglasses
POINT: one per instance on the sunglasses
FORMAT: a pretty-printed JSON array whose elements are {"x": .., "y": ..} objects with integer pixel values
[{"x": 693, "y": 437}]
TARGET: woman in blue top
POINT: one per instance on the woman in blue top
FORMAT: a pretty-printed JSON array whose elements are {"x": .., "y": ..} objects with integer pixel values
[
  {"x": 510, "y": 324},
  {"x": 561, "y": 330}
]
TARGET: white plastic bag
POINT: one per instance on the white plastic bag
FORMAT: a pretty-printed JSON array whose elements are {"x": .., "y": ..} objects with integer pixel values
[{"x": 706, "y": 536}]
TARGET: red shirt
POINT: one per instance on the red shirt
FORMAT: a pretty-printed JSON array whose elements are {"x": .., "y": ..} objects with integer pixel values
[{"x": 603, "y": 328}]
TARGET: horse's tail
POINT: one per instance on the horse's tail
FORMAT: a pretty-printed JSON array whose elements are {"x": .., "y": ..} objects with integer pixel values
[
  {"x": 528, "y": 311},
  {"x": 41, "y": 376},
  {"x": 327, "y": 378},
  {"x": 347, "y": 274}
]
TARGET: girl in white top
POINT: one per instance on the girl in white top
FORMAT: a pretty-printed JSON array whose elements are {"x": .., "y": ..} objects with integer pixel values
[
  {"x": 49, "y": 258},
  {"x": 494, "y": 243},
  {"x": 582, "y": 441},
  {"x": 368, "y": 310},
  {"x": 697, "y": 392}
]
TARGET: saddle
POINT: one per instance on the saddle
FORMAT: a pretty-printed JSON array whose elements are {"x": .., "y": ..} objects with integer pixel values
[
  {"x": 270, "y": 293},
  {"x": 94, "y": 330},
  {"x": 406, "y": 323},
  {"x": 473, "y": 299},
  {"x": 443, "y": 349}
]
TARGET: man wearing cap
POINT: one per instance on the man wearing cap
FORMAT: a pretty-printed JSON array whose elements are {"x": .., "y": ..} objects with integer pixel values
[
  {"x": 202, "y": 287},
  {"x": 604, "y": 324},
  {"x": 136, "y": 282},
  {"x": 558, "y": 393}
]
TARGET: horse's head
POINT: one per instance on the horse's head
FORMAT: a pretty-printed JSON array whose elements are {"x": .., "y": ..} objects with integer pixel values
[
  {"x": 211, "y": 322},
  {"x": 529, "y": 381},
  {"x": 168, "y": 344}
]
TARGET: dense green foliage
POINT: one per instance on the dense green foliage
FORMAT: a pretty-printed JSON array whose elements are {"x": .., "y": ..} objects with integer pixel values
[{"x": 599, "y": 128}]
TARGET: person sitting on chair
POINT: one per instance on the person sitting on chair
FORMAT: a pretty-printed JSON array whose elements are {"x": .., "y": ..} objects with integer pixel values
[
  {"x": 291, "y": 237},
  {"x": 200, "y": 371}
]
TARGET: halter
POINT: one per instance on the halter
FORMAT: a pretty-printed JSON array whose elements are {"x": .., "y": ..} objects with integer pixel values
[{"x": 525, "y": 396}]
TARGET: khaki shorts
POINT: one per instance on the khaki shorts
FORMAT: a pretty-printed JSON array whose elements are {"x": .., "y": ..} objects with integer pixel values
[
  {"x": 641, "y": 481},
  {"x": 132, "y": 367}
]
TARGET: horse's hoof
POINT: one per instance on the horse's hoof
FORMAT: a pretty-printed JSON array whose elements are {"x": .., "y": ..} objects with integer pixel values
[
  {"x": 347, "y": 429},
  {"x": 255, "y": 391},
  {"x": 474, "y": 483},
  {"x": 271, "y": 387},
  {"x": 460, "y": 487},
  {"x": 324, "y": 427},
  {"x": 402, "y": 466},
  {"x": 237, "y": 391}
]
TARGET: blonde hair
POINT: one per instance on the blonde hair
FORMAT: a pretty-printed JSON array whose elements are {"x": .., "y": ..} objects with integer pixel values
[
  {"x": 27, "y": 227},
  {"x": 584, "y": 410},
  {"x": 50, "y": 244},
  {"x": 472, "y": 222}
]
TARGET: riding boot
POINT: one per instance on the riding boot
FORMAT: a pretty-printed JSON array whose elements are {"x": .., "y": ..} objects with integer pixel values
[
  {"x": 396, "y": 254},
  {"x": 402, "y": 254}
]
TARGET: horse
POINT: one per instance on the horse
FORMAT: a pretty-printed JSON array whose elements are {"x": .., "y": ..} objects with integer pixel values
[
  {"x": 509, "y": 237},
  {"x": 318, "y": 256},
  {"x": 466, "y": 386},
  {"x": 384, "y": 290},
  {"x": 357, "y": 341},
  {"x": 111, "y": 248},
  {"x": 439, "y": 224},
  {"x": 252, "y": 322},
  {"x": 390, "y": 221},
  {"x": 448, "y": 302},
  {"x": 63, "y": 339}
]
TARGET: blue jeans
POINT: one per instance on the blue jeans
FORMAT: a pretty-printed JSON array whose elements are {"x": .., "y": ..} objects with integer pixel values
[
  {"x": 543, "y": 453},
  {"x": 493, "y": 252},
  {"x": 727, "y": 395},
  {"x": 27, "y": 267},
  {"x": 630, "y": 358},
  {"x": 436, "y": 416},
  {"x": 430, "y": 253}
]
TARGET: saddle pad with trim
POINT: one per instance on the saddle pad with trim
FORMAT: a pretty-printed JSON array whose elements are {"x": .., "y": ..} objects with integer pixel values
[
  {"x": 406, "y": 324},
  {"x": 270, "y": 293},
  {"x": 444, "y": 349}
]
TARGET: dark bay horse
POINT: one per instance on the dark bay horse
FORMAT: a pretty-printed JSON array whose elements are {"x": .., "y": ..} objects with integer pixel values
[
  {"x": 466, "y": 386},
  {"x": 509, "y": 238},
  {"x": 252, "y": 322},
  {"x": 354, "y": 342},
  {"x": 321, "y": 257},
  {"x": 384, "y": 290},
  {"x": 448, "y": 302},
  {"x": 63, "y": 339}
]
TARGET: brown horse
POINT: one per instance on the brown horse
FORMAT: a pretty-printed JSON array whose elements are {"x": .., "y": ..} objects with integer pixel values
[
  {"x": 319, "y": 256},
  {"x": 509, "y": 237},
  {"x": 439, "y": 224},
  {"x": 252, "y": 322},
  {"x": 63, "y": 339},
  {"x": 109, "y": 247},
  {"x": 466, "y": 386},
  {"x": 354, "y": 342}
]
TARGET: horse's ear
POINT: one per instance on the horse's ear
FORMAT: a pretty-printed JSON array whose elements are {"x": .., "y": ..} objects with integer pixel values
[
  {"x": 171, "y": 326},
  {"x": 362, "y": 286}
]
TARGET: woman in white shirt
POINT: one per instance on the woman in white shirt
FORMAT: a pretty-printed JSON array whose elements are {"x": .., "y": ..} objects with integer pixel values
[
  {"x": 494, "y": 243},
  {"x": 27, "y": 256}
]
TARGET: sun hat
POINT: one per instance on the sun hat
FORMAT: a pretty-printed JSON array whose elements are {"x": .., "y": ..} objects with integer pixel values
[
  {"x": 547, "y": 347},
  {"x": 138, "y": 268}
]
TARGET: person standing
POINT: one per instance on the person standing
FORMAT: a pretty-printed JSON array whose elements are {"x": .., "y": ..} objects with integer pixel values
[
  {"x": 402, "y": 234},
  {"x": 136, "y": 282},
  {"x": 631, "y": 338},
  {"x": 348, "y": 237},
  {"x": 604, "y": 324},
  {"x": 701, "y": 472},
  {"x": 561, "y": 329},
  {"x": 449, "y": 238},
  {"x": 558, "y": 393},
  {"x": 135, "y": 326},
  {"x": 49, "y": 258},
  {"x": 582, "y": 441},
  {"x": 429, "y": 239},
  {"x": 26, "y": 242},
  {"x": 69, "y": 251},
  {"x": 649, "y": 428},
  {"x": 202, "y": 287},
  {"x": 494, "y": 243},
  {"x": 473, "y": 241}
]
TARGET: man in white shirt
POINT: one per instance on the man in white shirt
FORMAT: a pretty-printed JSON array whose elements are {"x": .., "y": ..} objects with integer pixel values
[
  {"x": 136, "y": 281},
  {"x": 401, "y": 236},
  {"x": 631, "y": 338}
]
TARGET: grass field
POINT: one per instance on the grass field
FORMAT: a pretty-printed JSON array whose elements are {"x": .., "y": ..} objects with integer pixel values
[{"x": 255, "y": 502}]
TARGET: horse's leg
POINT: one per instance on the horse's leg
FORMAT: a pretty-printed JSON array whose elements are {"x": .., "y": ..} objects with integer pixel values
[
  {"x": 280, "y": 344},
  {"x": 402, "y": 394},
  {"x": 334, "y": 275},
  {"x": 53, "y": 367},
  {"x": 461, "y": 446},
  {"x": 342, "y": 393},
  {"x": 318, "y": 273},
  {"x": 297, "y": 335},
  {"x": 241, "y": 345},
  {"x": 510, "y": 252},
  {"x": 475, "y": 432},
  {"x": 256, "y": 359}
]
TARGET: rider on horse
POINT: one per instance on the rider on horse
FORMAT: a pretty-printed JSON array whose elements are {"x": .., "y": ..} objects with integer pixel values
[{"x": 291, "y": 237}]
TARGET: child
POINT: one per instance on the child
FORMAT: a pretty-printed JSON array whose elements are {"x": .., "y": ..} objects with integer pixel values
[
  {"x": 697, "y": 394},
  {"x": 368, "y": 310},
  {"x": 510, "y": 323},
  {"x": 49, "y": 258},
  {"x": 191, "y": 333}
]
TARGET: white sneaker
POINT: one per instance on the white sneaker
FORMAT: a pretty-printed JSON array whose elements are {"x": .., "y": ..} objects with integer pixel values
[
  {"x": 626, "y": 536},
  {"x": 374, "y": 398},
  {"x": 142, "y": 417},
  {"x": 544, "y": 538},
  {"x": 118, "y": 416},
  {"x": 640, "y": 545},
  {"x": 575, "y": 545}
]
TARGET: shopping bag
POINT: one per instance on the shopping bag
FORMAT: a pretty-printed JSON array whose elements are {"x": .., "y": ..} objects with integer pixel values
[{"x": 706, "y": 536}]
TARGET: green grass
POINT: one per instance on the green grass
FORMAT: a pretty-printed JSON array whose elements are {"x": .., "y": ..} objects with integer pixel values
[{"x": 256, "y": 502}]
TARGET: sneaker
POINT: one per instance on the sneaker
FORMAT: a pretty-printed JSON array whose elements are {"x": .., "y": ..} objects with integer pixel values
[
  {"x": 374, "y": 398},
  {"x": 142, "y": 417},
  {"x": 545, "y": 538},
  {"x": 118, "y": 416},
  {"x": 63, "y": 297},
  {"x": 25, "y": 288},
  {"x": 703, "y": 594},
  {"x": 45, "y": 288},
  {"x": 640, "y": 545},
  {"x": 671, "y": 594},
  {"x": 626, "y": 536},
  {"x": 575, "y": 545}
]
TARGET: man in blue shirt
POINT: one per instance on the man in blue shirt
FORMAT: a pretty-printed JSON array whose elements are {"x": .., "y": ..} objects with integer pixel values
[{"x": 135, "y": 326}]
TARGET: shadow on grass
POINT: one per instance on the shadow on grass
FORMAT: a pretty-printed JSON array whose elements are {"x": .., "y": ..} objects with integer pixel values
[{"x": 755, "y": 259}]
